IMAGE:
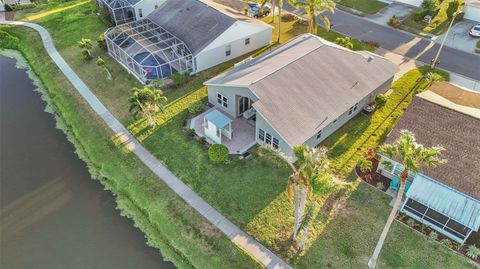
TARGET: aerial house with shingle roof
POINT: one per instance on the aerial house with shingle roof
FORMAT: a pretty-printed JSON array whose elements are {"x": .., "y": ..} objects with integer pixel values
[
  {"x": 298, "y": 93},
  {"x": 185, "y": 36},
  {"x": 446, "y": 197}
]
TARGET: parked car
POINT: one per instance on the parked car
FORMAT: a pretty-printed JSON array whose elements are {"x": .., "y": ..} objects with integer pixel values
[
  {"x": 254, "y": 10},
  {"x": 475, "y": 31}
]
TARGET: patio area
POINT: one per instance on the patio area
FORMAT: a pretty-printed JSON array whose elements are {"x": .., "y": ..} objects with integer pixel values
[{"x": 242, "y": 132}]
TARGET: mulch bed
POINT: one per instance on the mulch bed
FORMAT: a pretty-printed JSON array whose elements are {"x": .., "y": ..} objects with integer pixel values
[{"x": 373, "y": 178}]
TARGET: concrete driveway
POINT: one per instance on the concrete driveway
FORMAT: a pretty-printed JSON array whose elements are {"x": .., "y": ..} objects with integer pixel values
[
  {"x": 400, "y": 10},
  {"x": 459, "y": 38}
]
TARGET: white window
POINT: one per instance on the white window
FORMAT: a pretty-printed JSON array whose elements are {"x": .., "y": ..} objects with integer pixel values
[
  {"x": 228, "y": 50},
  {"x": 261, "y": 134},
  {"x": 319, "y": 134},
  {"x": 140, "y": 13},
  {"x": 247, "y": 41},
  {"x": 268, "y": 138},
  {"x": 222, "y": 100},
  {"x": 350, "y": 111}
]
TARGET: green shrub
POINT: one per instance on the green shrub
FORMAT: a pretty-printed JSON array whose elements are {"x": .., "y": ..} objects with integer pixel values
[
  {"x": 218, "y": 153},
  {"x": 433, "y": 235},
  {"x": 446, "y": 242},
  {"x": 202, "y": 140},
  {"x": 345, "y": 42},
  {"x": 23, "y": 6},
  {"x": 380, "y": 101},
  {"x": 473, "y": 252},
  {"x": 190, "y": 132},
  {"x": 196, "y": 107},
  {"x": 180, "y": 79},
  {"x": 430, "y": 4},
  {"x": 411, "y": 222}
]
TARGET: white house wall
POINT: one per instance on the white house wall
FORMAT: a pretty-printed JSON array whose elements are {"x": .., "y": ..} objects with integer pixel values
[
  {"x": 263, "y": 124},
  {"x": 147, "y": 7},
  {"x": 232, "y": 94},
  {"x": 214, "y": 53}
]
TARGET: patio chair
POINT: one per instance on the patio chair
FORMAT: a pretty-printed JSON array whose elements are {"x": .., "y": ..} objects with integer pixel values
[{"x": 395, "y": 184}]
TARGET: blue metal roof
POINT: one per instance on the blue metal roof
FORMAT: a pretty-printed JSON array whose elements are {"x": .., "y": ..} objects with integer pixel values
[
  {"x": 218, "y": 118},
  {"x": 450, "y": 202}
]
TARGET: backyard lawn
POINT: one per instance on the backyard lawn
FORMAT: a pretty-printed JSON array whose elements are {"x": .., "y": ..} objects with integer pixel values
[
  {"x": 251, "y": 192},
  {"x": 365, "y": 6}
]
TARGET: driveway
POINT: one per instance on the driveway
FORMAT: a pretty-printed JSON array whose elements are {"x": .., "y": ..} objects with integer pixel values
[
  {"x": 397, "y": 9},
  {"x": 459, "y": 38}
]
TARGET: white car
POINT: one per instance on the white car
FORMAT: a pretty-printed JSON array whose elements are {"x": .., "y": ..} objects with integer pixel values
[{"x": 475, "y": 31}]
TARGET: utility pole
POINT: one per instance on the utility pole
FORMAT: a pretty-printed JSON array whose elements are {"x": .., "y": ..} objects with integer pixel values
[{"x": 435, "y": 60}]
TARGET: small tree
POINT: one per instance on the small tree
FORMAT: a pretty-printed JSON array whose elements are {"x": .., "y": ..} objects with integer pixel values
[
  {"x": 101, "y": 63},
  {"x": 101, "y": 41},
  {"x": 344, "y": 42},
  {"x": 147, "y": 101},
  {"x": 86, "y": 46},
  {"x": 452, "y": 8}
]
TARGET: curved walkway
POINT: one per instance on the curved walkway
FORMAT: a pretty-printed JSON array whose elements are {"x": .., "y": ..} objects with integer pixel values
[{"x": 236, "y": 235}]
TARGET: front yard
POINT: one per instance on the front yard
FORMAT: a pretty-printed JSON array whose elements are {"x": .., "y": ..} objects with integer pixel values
[
  {"x": 365, "y": 6},
  {"x": 251, "y": 192}
]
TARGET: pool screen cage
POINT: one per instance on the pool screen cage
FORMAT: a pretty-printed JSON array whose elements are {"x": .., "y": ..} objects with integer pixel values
[
  {"x": 120, "y": 11},
  {"x": 149, "y": 51}
]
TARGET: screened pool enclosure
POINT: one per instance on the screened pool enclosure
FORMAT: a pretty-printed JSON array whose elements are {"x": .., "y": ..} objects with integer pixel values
[
  {"x": 121, "y": 11},
  {"x": 148, "y": 50}
]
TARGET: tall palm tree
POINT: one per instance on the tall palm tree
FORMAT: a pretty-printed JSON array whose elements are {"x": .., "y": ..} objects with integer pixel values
[
  {"x": 147, "y": 101},
  {"x": 413, "y": 157},
  {"x": 101, "y": 63},
  {"x": 315, "y": 8},
  {"x": 280, "y": 6},
  {"x": 311, "y": 165}
]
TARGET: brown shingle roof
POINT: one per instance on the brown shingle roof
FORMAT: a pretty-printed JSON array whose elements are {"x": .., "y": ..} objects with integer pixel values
[{"x": 458, "y": 133}]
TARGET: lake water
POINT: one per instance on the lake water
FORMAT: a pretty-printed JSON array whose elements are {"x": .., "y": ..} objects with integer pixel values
[{"x": 52, "y": 215}]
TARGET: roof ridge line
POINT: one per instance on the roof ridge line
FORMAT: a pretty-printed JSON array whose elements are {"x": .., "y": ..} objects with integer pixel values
[{"x": 283, "y": 66}]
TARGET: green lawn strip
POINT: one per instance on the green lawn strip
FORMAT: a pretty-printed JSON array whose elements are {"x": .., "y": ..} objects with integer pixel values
[
  {"x": 437, "y": 26},
  {"x": 477, "y": 49},
  {"x": 251, "y": 192},
  {"x": 365, "y": 6},
  {"x": 352, "y": 139},
  {"x": 182, "y": 235}
]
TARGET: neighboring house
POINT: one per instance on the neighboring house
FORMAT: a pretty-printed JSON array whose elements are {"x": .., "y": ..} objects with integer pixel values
[
  {"x": 446, "y": 197},
  {"x": 472, "y": 10},
  {"x": 300, "y": 92},
  {"x": 185, "y": 36}
]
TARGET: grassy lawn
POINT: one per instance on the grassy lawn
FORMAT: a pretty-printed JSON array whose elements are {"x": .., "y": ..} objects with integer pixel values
[
  {"x": 365, "y": 6},
  {"x": 437, "y": 26},
  {"x": 477, "y": 49},
  {"x": 250, "y": 192}
]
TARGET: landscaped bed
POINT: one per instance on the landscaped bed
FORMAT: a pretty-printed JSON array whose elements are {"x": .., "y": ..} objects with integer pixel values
[{"x": 251, "y": 192}]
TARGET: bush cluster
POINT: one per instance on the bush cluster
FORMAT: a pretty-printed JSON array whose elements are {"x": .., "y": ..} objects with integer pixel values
[
  {"x": 218, "y": 153},
  {"x": 196, "y": 107},
  {"x": 180, "y": 79}
]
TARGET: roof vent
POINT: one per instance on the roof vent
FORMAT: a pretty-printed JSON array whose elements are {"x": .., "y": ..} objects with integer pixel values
[{"x": 370, "y": 58}]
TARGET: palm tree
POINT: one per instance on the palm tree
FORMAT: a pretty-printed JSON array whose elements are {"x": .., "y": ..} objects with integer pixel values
[
  {"x": 147, "y": 101},
  {"x": 413, "y": 156},
  {"x": 101, "y": 63},
  {"x": 311, "y": 166},
  {"x": 86, "y": 45},
  {"x": 280, "y": 6},
  {"x": 315, "y": 8},
  {"x": 262, "y": 5}
]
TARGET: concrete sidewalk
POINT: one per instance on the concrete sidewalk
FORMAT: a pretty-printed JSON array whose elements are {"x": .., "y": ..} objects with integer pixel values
[{"x": 234, "y": 233}]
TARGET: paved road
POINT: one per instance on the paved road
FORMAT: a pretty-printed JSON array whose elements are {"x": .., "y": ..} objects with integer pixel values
[
  {"x": 403, "y": 43},
  {"x": 239, "y": 237}
]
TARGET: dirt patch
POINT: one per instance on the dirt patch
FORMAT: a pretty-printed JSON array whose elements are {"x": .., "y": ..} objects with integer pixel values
[{"x": 456, "y": 94}]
